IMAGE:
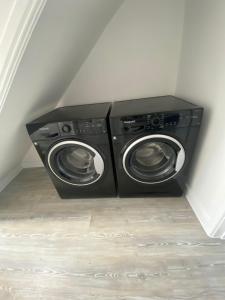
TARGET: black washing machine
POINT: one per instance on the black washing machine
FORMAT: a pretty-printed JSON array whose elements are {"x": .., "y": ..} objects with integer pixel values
[
  {"x": 153, "y": 143},
  {"x": 74, "y": 145}
]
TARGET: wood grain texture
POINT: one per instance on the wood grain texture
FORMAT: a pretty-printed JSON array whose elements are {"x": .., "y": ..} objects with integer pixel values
[{"x": 103, "y": 249}]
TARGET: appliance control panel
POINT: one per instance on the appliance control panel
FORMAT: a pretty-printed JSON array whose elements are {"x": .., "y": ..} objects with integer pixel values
[
  {"x": 70, "y": 128},
  {"x": 93, "y": 126},
  {"x": 157, "y": 121}
]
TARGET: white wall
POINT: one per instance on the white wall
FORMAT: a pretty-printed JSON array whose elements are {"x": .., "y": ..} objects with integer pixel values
[
  {"x": 202, "y": 79},
  {"x": 64, "y": 35},
  {"x": 5, "y": 8},
  {"x": 32, "y": 159},
  {"x": 136, "y": 56}
]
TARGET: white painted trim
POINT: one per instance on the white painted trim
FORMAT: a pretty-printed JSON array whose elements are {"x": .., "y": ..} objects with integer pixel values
[
  {"x": 219, "y": 230},
  {"x": 9, "y": 177},
  {"x": 32, "y": 164},
  {"x": 21, "y": 22},
  {"x": 223, "y": 229},
  {"x": 210, "y": 229}
]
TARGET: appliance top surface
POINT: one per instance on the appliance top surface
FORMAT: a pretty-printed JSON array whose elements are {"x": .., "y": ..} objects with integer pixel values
[
  {"x": 150, "y": 105},
  {"x": 77, "y": 112}
]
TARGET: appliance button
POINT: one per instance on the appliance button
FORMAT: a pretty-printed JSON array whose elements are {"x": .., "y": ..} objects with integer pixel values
[
  {"x": 66, "y": 128},
  {"x": 155, "y": 121}
]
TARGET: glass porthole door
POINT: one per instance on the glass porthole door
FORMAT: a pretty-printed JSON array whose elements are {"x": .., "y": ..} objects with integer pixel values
[
  {"x": 153, "y": 159},
  {"x": 75, "y": 163}
]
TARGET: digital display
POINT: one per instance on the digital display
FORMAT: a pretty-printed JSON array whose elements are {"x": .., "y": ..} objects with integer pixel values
[
  {"x": 173, "y": 118},
  {"x": 84, "y": 124}
]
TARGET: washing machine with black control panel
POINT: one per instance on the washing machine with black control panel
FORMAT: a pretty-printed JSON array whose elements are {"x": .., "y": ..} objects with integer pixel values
[
  {"x": 153, "y": 142},
  {"x": 73, "y": 143}
]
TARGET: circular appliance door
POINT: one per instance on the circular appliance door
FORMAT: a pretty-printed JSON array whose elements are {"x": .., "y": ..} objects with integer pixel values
[
  {"x": 153, "y": 158},
  {"x": 75, "y": 163}
]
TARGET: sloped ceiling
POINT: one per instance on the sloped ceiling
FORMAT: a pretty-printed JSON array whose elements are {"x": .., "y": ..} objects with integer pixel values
[{"x": 65, "y": 34}]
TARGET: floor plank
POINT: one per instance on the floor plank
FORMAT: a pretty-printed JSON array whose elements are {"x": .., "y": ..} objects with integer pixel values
[{"x": 125, "y": 249}]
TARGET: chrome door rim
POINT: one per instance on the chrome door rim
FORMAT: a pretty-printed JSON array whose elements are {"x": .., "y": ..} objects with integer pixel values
[
  {"x": 97, "y": 157},
  {"x": 179, "y": 163}
]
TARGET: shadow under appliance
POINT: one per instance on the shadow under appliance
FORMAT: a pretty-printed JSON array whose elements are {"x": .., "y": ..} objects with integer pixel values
[
  {"x": 74, "y": 146},
  {"x": 153, "y": 142}
]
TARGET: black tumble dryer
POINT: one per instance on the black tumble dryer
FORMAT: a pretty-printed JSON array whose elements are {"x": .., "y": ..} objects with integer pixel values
[
  {"x": 153, "y": 142},
  {"x": 74, "y": 146}
]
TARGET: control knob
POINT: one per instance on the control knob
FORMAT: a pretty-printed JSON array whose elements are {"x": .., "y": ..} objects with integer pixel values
[
  {"x": 155, "y": 121},
  {"x": 66, "y": 128}
]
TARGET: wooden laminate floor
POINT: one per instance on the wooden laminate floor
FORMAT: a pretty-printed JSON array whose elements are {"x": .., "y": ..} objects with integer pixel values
[{"x": 106, "y": 249}]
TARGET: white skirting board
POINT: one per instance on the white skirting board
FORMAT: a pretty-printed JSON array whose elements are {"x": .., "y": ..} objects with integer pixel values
[
  {"x": 9, "y": 177},
  {"x": 32, "y": 164},
  {"x": 219, "y": 230},
  {"x": 211, "y": 230}
]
